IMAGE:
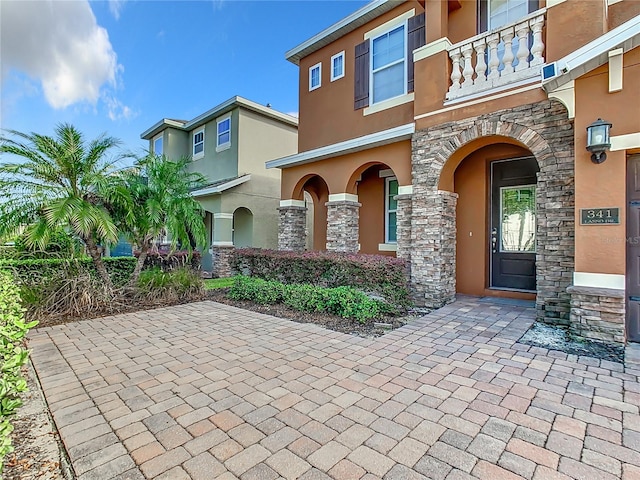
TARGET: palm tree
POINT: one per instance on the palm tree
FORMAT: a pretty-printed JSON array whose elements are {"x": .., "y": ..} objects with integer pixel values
[
  {"x": 62, "y": 181},
  {"x": 161, "y": 192}
]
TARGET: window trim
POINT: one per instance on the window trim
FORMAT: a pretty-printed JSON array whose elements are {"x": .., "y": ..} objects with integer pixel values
[
  {"x": 334, "y": 57},
  {"x": 153, "y": 143},
  {"x": 311, "y": 69},
  {"x": 404, "y": 26},
  {"x": 387, "y": 180},
  {"x": 195, "y": 155},
  {"x": 223, "y": 146}
]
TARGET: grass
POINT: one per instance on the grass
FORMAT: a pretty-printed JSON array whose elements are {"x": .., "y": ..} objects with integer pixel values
[{"x": 214, "y": 283}]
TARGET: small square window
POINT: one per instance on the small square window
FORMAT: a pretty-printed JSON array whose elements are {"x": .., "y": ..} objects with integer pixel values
[
  {"x": 198, "y": 143},
  {"x": 315, "y": 76},
  {"x": 157, "y": 145},
  {"x": 224, "y": 134},
  {"x": 337, "y": 66}
]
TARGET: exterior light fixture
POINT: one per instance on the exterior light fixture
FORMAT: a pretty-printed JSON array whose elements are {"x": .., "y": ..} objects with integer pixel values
[{"x": 598, "y": 140}]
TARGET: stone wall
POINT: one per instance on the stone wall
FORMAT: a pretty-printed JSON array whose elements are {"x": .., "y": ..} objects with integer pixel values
[
  {"x": 547, "y": 132},
  {"x": 343, "y": 226},
  {"x": 292, "y": 228},
  {"x": 221, "y": 261},
  {"x": 597, "y": 313}
]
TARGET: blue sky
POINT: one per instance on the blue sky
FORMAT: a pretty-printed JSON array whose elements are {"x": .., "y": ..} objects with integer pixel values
[{"x": 119, "y": 66}]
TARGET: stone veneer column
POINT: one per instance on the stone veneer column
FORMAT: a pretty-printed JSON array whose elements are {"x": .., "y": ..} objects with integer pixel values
[
  {"x": 404, "y": 201},
  {"x": 222, "y": 245},
  {"x": 343, "y": 217},
  {"x": 292, "y": 225},
  {"x": 433, "y": 248},
  {"x": 597, "y": 313}
]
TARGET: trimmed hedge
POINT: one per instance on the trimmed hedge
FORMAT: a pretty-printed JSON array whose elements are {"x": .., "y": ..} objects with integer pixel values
[
  {"x": 13, "y": 356},
  {"x": 378, "y": 274},
  {"x": 346, "y": 302},
  {"x": 39, "y": 270}
]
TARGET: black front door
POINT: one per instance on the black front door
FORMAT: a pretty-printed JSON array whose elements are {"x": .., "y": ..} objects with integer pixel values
[
  {"x": 633, "y": 249},
  {"x": 513, "y": 224}
]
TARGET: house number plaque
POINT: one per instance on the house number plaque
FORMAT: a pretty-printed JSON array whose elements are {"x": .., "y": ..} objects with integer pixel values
[{"x": 600, "y": 216}]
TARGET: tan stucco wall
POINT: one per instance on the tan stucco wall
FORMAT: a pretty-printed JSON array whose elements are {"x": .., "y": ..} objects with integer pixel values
[
  {"x": 262, "y": 139},
  {"x": 327, "y": 114},
  {"x": 341, "y": 173},
  {"x": 601, "y": 249}
]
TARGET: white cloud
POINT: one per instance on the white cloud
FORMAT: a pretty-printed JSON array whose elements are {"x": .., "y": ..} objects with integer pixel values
[
  {"x": 116, "y": 110},
  {"x": 115, "y": 7},
  {"x": 59, "y": 44}
]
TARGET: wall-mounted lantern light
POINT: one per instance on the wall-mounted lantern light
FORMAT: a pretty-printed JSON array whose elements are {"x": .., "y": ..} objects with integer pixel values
[{"x": 598, "y": 140}]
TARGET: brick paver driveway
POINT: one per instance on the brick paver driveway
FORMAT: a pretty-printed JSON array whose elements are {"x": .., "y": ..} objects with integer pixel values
[{"x": 211, "y": 391}]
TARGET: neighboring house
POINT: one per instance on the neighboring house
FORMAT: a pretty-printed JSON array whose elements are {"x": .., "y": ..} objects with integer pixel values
[
  {"x": 229, "y": 145},
  {"x": 439, "y": 141}
]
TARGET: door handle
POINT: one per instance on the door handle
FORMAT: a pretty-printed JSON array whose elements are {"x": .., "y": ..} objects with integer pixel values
[{"x": 494, "y": 240}]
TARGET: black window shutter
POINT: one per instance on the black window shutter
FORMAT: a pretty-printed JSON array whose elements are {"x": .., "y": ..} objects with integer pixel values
[
  {"x": 361, "y": 70},
  {"x": 415, "y": 39}
]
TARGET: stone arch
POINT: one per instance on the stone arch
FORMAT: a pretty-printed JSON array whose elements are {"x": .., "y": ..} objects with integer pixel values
[{"x": 545, "y": 130}]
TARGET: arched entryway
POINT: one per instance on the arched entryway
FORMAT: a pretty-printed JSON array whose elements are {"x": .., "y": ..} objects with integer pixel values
[
  {"x": 242, "y": 228},
  {"x": 496, "y": 221},
  {"x": 315, "y": 193}
]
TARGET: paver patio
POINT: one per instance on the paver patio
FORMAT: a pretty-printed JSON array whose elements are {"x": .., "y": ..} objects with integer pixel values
[{"x": 208, "y": 391}]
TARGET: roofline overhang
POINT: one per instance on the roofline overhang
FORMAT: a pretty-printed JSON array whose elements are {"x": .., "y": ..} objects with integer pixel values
[
  {"x": 219, "y": 189},
  {"x": 218, "y": 110},
  {"x": 595, "y": 53},
  {"x": 339, "y": 29},
  {"x": 377, "y": 139}
]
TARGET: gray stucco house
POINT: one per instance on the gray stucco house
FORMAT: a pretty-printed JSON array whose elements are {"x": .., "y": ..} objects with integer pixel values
[{"x": 229, "y": 145}]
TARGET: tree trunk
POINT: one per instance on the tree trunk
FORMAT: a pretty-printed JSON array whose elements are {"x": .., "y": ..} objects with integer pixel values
[
  {"x": 144, "y": 251},
  {"x": 94, "y": 253}
]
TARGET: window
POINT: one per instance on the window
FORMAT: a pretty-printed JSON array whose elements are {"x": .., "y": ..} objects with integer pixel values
[
  {"x": 315, "y": 76},
  {"x": 337, "y": 66},
  {"x": 157, "y": 145},
  {"x": 504, "y": 12},
  {"x": 388, "y": 69},
  {"x": 223, "y": 140},
  {"x": 198, "y": 143},
  {"x": 390, "y": 209}
]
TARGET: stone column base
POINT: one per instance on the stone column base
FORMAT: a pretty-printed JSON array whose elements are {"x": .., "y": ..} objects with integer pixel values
[
  {"x": 343, "y": 226},
  {"x": 221, "y": 260},
  {"x": 597, "y": 313},
  {"x": 292, "y": 228}
]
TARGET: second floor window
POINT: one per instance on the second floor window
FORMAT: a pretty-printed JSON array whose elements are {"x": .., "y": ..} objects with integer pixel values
[
  {"x": 388, "y": 67},
  {"x": 315, "y": 76},
  {"x": 337, "y": 66},
  {"x": 198, "y": 143},
  {"x": 224, "y": 134},
  {"x": 157, "y": 145}
]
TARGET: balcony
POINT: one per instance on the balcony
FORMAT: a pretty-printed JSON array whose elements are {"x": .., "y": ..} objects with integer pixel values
[{"x": 498, "y": 59}]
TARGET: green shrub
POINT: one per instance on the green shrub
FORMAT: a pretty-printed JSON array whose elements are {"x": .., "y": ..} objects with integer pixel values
[
  {"x": 257, "y": 290},
  {"x": 215, "y": 283},
  {"x": 377, "y": 274},
  {"x": 13, "y": 355},
  {"x": 169, "y": 286},
  {"x": 346, "y": 302},
  {"x": 41, "y": 271},
  {"x": 60, "y": 244},
  {"x": 172, "y": 260}
]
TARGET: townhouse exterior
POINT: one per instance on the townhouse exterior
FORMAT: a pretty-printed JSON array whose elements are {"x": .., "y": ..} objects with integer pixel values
[
  {"x": 229, "y": 145},
  {"x": 453, "y": 134}
]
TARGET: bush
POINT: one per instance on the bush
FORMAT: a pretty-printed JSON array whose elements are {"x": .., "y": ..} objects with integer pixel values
[
  {"x": 13, "y": 356},
  {"x": 179, "y": 284},
  {"x": 381, "y": 275},
  {"x": 61, "y": 244},
  {"x": 346, "y": 302},
  {"x": 41, "y": 271},
  {"x": 172, "y": 260}
]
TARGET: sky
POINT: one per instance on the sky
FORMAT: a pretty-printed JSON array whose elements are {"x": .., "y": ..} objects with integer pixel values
[{"x": 119, "y": 66}]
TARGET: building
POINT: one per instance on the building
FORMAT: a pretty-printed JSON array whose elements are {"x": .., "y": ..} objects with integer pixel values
[
  {"x": 453, "y": 134},
  {"x": 229, "y": 145}
]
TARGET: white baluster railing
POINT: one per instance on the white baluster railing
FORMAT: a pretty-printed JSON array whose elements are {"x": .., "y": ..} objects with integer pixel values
[{"x": 498, "y": 58}]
